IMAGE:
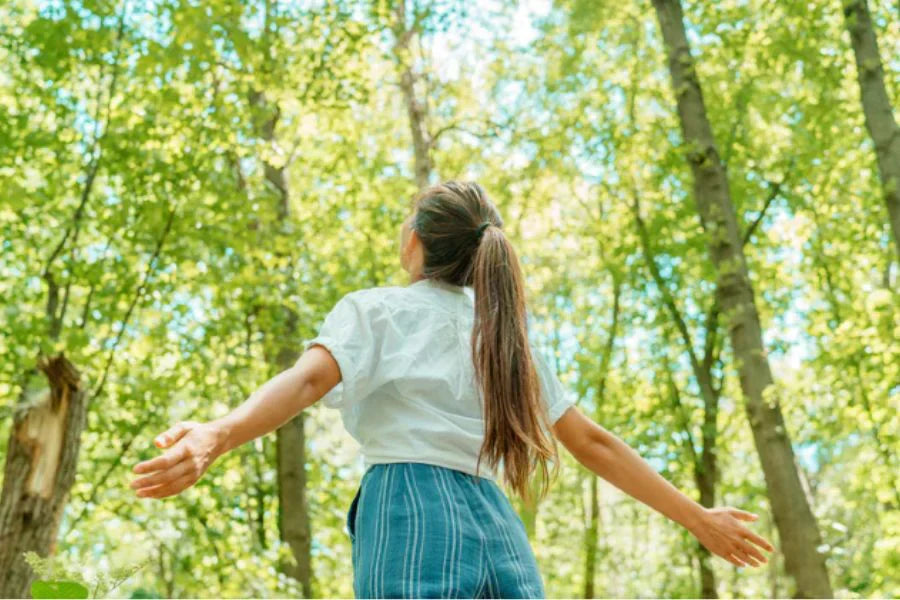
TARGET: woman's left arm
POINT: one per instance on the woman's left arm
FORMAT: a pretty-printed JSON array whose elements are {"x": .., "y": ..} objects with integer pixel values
[
  {"x": 719, "y": 529},
  {"x": 193, "y": 447}
]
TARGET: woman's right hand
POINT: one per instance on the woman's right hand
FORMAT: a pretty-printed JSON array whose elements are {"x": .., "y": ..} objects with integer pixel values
[
  {"x": 721, "y": 532},
  {"x": 192, "y": 448}
]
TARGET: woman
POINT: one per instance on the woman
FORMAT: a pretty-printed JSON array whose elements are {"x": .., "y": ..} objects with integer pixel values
[{"x": 439, "y": 384}]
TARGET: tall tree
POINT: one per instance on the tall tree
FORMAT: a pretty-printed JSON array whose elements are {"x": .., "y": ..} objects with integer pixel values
[
  {"x": 320, "y": 81},
  {"x": 290, "y": 443},
  {"x": 405, "y": 35},
  {"x": 879, "y": 115},
  {"x": 796, "y": 524},
  {"x": 592, "y": 532},
  {"x": 705, "y": 464}
]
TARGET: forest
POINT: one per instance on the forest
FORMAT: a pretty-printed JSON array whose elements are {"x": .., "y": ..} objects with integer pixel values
[{"x": 704, "y": 196}]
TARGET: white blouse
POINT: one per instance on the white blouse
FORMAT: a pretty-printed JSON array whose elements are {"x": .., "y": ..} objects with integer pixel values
[{"x": 407, "y": 391}]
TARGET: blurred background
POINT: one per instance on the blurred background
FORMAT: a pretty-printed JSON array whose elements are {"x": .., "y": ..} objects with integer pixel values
[{"x": 187, "y": 187}]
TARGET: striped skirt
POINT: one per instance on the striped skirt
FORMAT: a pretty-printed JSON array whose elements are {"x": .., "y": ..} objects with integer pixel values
[{"x": 425, "y": 531}]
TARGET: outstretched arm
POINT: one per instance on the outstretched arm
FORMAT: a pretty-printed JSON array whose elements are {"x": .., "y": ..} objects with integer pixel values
[
  {"x": 612, "y": 459},
  {"x": 193, "y": 447}
]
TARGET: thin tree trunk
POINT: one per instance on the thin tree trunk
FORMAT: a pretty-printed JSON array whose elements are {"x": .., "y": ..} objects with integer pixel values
[
  {"x": 796, "y": 524},
  {"x": 591, "y": 539},
  {"x": 704, "y": 466},
  {"x": 415, "y": 107},
  {"x": 707, "y": 487},
  {"x": 592, "y": 533},
  {"x": 293, "y": 511},
  {"x": 877, "y": 108},
  {"x": 39, "y": 472}
]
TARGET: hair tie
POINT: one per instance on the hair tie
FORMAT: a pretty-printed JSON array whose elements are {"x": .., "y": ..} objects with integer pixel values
[{"x": 482, "y": 227}]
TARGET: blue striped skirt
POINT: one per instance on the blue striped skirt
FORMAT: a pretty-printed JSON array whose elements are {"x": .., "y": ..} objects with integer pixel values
[{"x": 425, "y": 531}]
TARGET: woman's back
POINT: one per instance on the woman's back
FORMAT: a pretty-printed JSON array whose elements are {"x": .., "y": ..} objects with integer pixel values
[{"x": 408, "y": 389}]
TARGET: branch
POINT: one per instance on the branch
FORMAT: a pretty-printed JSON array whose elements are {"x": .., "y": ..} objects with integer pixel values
[
  {"x": 668, "y": 298},
  {"x": 611, "y": 340},
  {"x": 679, "y": 409},
  {"x": 711, "y": 325},
  {"x": 137, "y": 296},
  {"x": 93, "y": 168},
  {"x": 97, "y": 485},
  {"x": 774, "y": 190}
]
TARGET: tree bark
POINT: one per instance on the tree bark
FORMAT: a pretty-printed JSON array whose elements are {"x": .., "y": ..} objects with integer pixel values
[
  {"x": 707, "y": 486},
  {"x": 796, "y": 524},
  {"x": 415, "y": 108},
  {"x": 293, "y": 511},
  {"x": 39, "y": 471},
  {"x": 877, "y": 108},
  {"x": 590, "y": 537}
]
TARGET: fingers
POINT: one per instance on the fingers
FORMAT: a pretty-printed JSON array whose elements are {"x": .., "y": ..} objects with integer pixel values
[
  {"x": 162, "y": 477},
  {"x": 169, "y": 489},
  {"x": 754, "y": 553},
  {"x": 740, "y": 559},
  {"x": 748, "y": 558},
  {"x": 733, "y": 560},
  {"x": 165, "y": 461},
  {"x": 173, "y": 434},
  {"x": 759, "y": 541},
  {"x": 743, "y": 515}
]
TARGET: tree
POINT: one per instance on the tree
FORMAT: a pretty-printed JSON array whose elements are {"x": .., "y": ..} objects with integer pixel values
[
  {"x": 880, "y": 121},
  {"x": 797, "y": 527}
]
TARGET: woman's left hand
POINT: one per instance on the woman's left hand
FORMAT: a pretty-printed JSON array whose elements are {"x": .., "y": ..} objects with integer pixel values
[
  {"x": 721, "y": 532},
  {"x": 192, "y": 448}
]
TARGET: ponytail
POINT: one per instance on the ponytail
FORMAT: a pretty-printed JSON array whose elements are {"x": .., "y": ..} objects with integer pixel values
[
  {"x": 465, "y": 245},
  {"x": 514, "y": 419}
]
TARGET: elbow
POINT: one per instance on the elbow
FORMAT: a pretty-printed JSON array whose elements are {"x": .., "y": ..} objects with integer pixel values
[
  {"x": 309, "y": 390},
  {"x": 597, "y": 451},
  {"x": 589, "y": 443}
]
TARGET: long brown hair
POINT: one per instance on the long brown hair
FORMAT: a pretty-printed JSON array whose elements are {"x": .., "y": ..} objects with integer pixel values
[{"x": 458, "y": 250}]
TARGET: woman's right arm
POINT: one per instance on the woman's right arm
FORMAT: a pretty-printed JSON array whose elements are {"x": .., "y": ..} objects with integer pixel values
[
  {"x": 612, "y": 459},
  {"x": 193, "y": 447}
]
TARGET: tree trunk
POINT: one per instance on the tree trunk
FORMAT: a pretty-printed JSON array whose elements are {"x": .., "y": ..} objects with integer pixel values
[
  {"x": 592, "y": 533},
  {"x": 706, "y": 473},
  {"x": 415, "y": 107},
  {"x": 293, "y": 512},
  {"x": 796, "y": 524},
  {"x": 705, "y": 466},
  {"x": 39, "y": 472},
  {"x": 877, "y": 108},
  {"x": 43, "y": 446},
  {"x": 707, "y": 488},
  {"x": 590, "y": 537}
]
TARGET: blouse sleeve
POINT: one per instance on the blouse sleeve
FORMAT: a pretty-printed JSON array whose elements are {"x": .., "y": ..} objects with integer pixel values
[
  {"x": 554, "y": 394},
  {"x": 348, "y": 333}
]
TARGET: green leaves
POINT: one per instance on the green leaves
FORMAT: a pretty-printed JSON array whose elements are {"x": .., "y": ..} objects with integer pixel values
[
  {"x": 58, "y": 589},
  {"x": 564, "y": 113}
]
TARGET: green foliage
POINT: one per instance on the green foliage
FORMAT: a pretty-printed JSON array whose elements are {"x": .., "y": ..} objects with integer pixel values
[
  {"x": 58, "y": 578},
  {"x": 133, "y": 138},
  {"x": 58, "y": 589}
]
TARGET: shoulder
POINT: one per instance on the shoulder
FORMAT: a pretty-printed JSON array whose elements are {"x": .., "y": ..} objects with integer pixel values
[
  {"x": 375, "y": 295},
  {"x": 373, "y": 300}
]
